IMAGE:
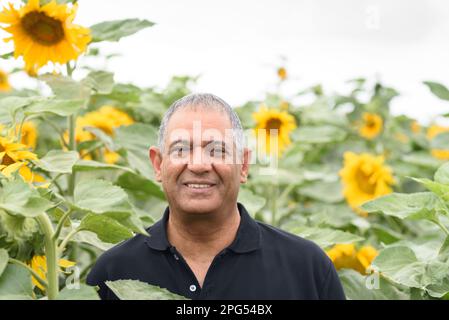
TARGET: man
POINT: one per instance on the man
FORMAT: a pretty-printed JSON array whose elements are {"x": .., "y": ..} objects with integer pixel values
[{"x": 207, "y": 246}]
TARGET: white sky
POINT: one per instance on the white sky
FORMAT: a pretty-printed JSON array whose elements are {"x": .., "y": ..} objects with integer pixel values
[{"x": 236, "y": 45}]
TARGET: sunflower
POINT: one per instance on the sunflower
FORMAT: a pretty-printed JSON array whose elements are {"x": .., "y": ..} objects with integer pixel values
[
  {"x": 432, "y": 132},
  {"x": 14, "y": 156},
  {"x": 107, "y": 118},
  {"x": 282, "y": 73},
  {"x": 273, "y": 124},
  {"x": 29, "y": 133},
  {"x": 371, "y": 126},
  {"x": 364, "y": 177},
  {"x": 415, "y": 126},
  {"x": 44, "y": 33},
  {"x": 39, "y": 265},
  {"x": 346, "y": 256},
  {"x": 4, "y": 83}
]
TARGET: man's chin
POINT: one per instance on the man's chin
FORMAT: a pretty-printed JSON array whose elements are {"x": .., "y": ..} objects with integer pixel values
[{"x": 199, "y": 207}]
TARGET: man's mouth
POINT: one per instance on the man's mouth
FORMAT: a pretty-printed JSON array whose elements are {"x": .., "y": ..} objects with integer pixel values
[{"x": 199, "y": 185}]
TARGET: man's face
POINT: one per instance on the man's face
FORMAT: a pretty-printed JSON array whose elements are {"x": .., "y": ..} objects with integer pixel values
[{"x": 199, "y": 169}]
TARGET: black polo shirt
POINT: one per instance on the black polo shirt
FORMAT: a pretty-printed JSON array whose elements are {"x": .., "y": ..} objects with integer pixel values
[{"x": 263, "y": 262}]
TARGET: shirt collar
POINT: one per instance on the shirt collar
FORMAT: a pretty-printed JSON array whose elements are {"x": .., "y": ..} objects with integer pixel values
[{"x": 247, "y": 238}]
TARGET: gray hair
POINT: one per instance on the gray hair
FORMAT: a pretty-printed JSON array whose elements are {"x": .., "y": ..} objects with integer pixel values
[{"x": 206, "y": 100}]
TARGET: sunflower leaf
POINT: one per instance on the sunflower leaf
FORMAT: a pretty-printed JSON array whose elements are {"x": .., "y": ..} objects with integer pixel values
[
  {"x": 100, "y": 196},
  {"x": 83, "y": 292},
  {"x": 400, "y": 264},
  {"x": 58, "y": 161},
  {"x": 58, "y": 107},
  {"x": 3, "y": 260},
  {"x": 18, "y": 198},
  {"x": 325, "y": 237},
  {"x": 138, "y": 290},
  {"x": 15, "y": 283},
  {"x": 116, "y": 29},
  {"x": 438, "y": 89},
  {"x": 106, "y": 228}
]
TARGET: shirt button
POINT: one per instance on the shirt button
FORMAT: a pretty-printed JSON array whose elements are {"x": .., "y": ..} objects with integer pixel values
[{"x": 193, "y": 288}]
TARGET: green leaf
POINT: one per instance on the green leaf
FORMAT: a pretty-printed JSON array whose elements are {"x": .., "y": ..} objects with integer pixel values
[
  {"x": 329, "y": 192},
  {"x": 252, "y": 202},
  {"x": 4, "y": 257},
  {"x": 438, "y": 89},
  {"x": 107, "y": 229},
  {"x": 58, "y": 161},
  {"x": 15, "y": 283},
  {"x": 17, "y": 197},
  {"x": 100, "y": 196},
  {"x": 141, "y": 185},
  {"x": 65, "y": 88},
  {"x": 91, "y": 165},
  {"x": 318, "y": 134},
  {"x": 325, "y": 237},
  {"x": 440, "y": 141},
  {"x": 439, "y": 189},
  {"x": 101, "y": 82},
  {"x": 116, "y": 29},
  {"x": 138, "y": 290},
  {"x": 92, "y": 239},
  {"x": 61, "y": 108},
  {"x": 442, "y": 174},
  {"x": 399, "y": 264},
  {"x": 10, "y": 105},
  {"x": 84, "y": 292},
  {"x": 356, "y": 287},
  {"x": 423, "y": 159},
  {"x": 136, "y": 139},
  {"x": 421, "y": 205}
]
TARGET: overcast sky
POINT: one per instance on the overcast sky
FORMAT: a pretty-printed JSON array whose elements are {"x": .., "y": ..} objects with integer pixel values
[{"x": 235, "y": 45}]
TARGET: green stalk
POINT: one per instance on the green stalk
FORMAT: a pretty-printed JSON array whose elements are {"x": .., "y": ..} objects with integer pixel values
[
  {"x": 51, "y": 255},
  {"x": 72, "y": 146},
  {"x": 273, "y": 201},
  {"x": 71, "y": 123}
]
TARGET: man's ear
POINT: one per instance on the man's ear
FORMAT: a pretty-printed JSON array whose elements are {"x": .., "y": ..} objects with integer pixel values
[
  {"x": 245, "y": 165},
  {"x": 156, "y": 160}
]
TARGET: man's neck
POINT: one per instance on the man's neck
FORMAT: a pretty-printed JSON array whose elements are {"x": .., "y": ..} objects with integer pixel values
[{"x": 202, "y": 237}]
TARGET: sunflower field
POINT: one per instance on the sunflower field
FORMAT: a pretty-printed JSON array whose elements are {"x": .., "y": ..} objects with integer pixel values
[{"x": 370, "y": 188}]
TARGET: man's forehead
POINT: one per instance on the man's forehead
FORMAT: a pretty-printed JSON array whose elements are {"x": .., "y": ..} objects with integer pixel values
[{"x": 208, "y": 118}]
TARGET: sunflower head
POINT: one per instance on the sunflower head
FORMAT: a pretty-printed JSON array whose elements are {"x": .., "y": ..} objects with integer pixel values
[
  {"x": 44, "y": 33},
  {"x": 346, "y": 256},
  {"x": 371, "y": 125},
  {"x": 364, "y": 177},
  {"x": 415, "y": 126},
  {"x": 14, "y": 157},
  {"x": 273, "y": 128},
  {"x": 432, "y": 132},
  {"x": 282, "y": 73},
  {"x": 39, "y": 265},
  {"x": 4, "y": 82}
]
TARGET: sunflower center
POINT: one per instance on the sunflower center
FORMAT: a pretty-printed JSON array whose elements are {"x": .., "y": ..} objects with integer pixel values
[
  {"x": 7, "y": 160},
  {"x": 274, "y": 124},
  {"x": 42, "y": 28},
  {"x": 363, "y": 183},
  {"x": 370, "y": 124}
]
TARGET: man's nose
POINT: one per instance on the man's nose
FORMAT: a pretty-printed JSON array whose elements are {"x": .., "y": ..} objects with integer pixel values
[{"x": 199, "y": 162}]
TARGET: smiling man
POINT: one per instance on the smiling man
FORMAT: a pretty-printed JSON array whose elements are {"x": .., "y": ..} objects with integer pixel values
[{"x": 207, "y": 246}]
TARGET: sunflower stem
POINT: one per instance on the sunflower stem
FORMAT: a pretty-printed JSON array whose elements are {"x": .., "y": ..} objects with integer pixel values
[
  {"x": 61, "y": 222},
  {"x": 66, "y": 240},
  {"x": 51, "y": 256},
  {"x": 273, "y": 196},
  {"x": 72, "y": 146}
]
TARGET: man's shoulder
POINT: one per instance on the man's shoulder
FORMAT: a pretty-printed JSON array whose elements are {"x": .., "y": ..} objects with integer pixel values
[
  {"x": 278, "y": 239},
  {"x": 126, "y": 249}
]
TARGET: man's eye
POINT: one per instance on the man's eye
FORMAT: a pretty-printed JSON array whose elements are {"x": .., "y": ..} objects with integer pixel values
[
  {"x": 217, "y": 151},
  {"x": 180, "y": 151}
]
